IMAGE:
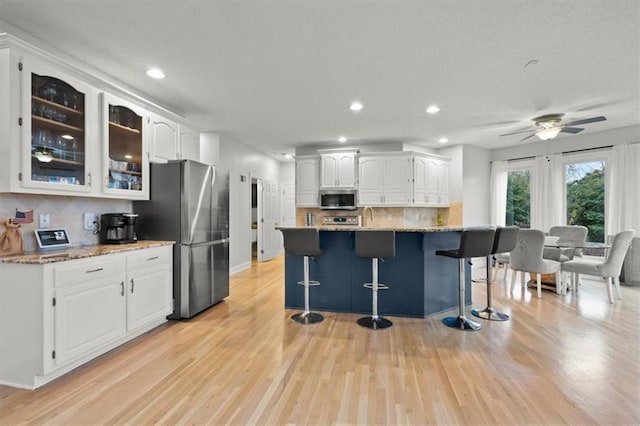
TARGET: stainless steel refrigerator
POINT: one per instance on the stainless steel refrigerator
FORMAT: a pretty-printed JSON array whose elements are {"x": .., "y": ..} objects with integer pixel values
[{"x": 189, "y": 204}]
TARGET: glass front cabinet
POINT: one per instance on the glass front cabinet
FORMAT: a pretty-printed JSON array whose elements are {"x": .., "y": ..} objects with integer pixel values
[
  {"x": 59, "y": 136},
  {"x": 124, "y": 135}
]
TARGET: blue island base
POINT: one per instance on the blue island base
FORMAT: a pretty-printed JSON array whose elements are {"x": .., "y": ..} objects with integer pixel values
[{"x": 420, "y": 283}]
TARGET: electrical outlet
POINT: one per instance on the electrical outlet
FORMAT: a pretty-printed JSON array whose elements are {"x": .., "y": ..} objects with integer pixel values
[
  {"x": 89, "y": 218},
  {"x": 45, "y": 220}
]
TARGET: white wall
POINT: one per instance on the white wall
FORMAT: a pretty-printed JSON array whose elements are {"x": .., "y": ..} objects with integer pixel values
[
  {"x": 476, "y": 169},
  {"x": 288, "y": 172},
  {"x": 242, "y": 162}
]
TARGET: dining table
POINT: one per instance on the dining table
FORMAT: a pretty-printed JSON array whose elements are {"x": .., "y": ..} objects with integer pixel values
[{"x": 548, "y": 281}]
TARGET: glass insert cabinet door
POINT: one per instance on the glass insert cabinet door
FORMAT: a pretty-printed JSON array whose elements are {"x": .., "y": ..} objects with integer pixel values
[
  {"x": 57, "y": 121},
  {"x": 124, "y": 134}
]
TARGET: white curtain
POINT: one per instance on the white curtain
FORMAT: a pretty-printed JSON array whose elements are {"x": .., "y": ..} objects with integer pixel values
[
  {"x": 498, "y": 193},
  {"x": 623, "y": 189},
  {"x": 547, "y": 198}
]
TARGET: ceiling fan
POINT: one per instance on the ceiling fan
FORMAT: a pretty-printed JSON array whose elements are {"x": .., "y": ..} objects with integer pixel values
[{"x": 548, "y": 126}]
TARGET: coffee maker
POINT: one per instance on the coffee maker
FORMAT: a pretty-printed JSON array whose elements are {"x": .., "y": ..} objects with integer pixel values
[{"x": 118, "y": 228}]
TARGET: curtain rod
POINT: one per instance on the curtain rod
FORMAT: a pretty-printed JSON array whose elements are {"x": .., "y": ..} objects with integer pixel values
[
  {"x": 587, "y": 149},
  {"x": 567, "y": 152}
]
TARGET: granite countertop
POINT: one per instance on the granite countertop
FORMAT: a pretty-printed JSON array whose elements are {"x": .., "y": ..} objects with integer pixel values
[
  {"x": 42, "y": 257},
  {"x": 395, "y": 228}
]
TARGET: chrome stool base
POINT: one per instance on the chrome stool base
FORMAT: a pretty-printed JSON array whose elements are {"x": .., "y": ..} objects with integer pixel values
[
  {"x": 490, "y": 314},
  {"x": 374, "y": 323},
  {"x": 307, "y": 318},
  {"x": 461, "y": 323}
]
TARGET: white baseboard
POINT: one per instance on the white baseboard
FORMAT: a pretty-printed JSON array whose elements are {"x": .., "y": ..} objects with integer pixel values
[{"x": 239, "y": 268}]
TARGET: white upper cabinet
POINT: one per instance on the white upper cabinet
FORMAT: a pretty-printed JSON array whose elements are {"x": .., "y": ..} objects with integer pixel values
[
  {"x": 189, "y": 143},
  {"x": 384, "y": 180},
  {"x": 48, "y": 129},
  {"x": 163, "y": 141},
  {"x": 125, "y": 164},
  {"x": 431, "y": 181},
  {"x": 338, "y": 169},
  {"x": 307, "y": 174}
]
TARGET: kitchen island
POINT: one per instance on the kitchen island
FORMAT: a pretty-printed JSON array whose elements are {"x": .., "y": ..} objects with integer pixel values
[{"x": 420, "y": 283}]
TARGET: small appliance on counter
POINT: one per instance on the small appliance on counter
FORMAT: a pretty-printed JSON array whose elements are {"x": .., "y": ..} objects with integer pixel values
[
  {"x": 342, "y": 220},
  {"x": 118, "y": 228}
]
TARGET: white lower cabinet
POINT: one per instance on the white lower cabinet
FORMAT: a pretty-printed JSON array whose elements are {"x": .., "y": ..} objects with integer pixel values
[
  {"x": 57, "y": 316},
  {"x": 88, "y": 316},
  {"x": 149, "y": 287}
]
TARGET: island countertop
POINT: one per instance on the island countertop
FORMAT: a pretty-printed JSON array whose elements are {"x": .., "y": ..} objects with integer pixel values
[
  {"x": 394, "y": 228},
  {"x": 80, "y": 252}
]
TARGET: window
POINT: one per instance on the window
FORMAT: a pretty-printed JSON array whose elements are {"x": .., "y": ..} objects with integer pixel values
[
  {"x": 519, "y": 198},
  {"x": 585, "y": 197}
]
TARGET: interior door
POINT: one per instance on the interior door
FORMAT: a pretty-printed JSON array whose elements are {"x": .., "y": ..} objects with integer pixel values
[{"x": 267, "y": 220}]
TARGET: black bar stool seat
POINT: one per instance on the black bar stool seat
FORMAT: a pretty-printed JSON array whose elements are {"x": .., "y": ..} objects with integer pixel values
[
  {"x": 375, "y": 244},
  {"x": 504, "y": 241},
  {"x": 304, "y": 242},
  {"x": 473, "y": 243}
]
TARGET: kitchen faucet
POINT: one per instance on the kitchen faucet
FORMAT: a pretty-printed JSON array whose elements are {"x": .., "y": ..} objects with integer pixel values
[{"x": 364, "y": 215}]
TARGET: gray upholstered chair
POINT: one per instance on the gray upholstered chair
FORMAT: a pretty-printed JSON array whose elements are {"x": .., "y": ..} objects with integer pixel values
[
  {"x": 502, "y": 261},
  {"x": 527, "y": 257},
  {"x": 608, "y": 267},
  {"x": 565, "y": 234}
]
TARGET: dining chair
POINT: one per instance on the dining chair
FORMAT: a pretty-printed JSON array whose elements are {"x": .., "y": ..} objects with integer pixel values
[
  {"x": 527, "y": 257},
  {"x": 566, "y": 235},
  {"x": 608, "y": 267}
]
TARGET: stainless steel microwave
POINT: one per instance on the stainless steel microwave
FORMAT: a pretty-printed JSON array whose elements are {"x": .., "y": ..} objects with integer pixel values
[{"x": 338, "y": 199}]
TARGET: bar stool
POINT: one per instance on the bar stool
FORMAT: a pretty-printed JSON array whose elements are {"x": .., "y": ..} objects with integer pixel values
[
  {"x": 304, "y": 242},
  {"x": 473, "y": 243},
  {"x": 504, "y": 241},
  {"x": 375, "y": 245}
]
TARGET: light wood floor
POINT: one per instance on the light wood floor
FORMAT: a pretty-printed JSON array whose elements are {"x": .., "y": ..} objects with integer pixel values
[{"x": 559, "y": 360}]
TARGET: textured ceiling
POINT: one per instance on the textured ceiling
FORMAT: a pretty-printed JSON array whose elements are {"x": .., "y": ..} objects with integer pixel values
[{"x": 276, "y": 74}]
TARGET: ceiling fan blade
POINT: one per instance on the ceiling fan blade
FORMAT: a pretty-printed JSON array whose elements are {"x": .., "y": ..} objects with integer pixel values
[
  {"x": 530, "y": 136},
  {"x": 586, "y": 120},
  {"x": 573, "y": 130},
  {"x": 515, "y": 133}
]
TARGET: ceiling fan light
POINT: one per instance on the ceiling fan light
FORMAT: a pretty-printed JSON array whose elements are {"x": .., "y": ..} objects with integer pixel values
[{"x": 549, "y": 133}]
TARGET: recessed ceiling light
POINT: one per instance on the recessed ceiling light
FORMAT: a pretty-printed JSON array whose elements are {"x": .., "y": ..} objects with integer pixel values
[
  {"x": 433, "y": 109},
  {"x": 443, "y": 140},
  {"x": 356, "y": 106},
  {"x": 342, "y": 139},
  {"x": 155, "y": 73}
]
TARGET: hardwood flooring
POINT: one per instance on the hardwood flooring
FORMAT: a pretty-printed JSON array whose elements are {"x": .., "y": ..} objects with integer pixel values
[{"x": 559, "y": 360}]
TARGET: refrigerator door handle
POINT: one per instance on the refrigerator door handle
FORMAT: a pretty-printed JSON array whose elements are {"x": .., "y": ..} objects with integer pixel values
[
  {"x": 207, "y": 243},
  {"x": 203, "y": 187}
]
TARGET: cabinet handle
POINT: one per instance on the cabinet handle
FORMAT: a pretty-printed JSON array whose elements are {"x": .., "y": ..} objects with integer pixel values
[
  {"x": 94, "y": 270},
  {"x": 122, "y": 288},
  {"x": 152, "y": 258},
  {"x": 131, "y": 285}
]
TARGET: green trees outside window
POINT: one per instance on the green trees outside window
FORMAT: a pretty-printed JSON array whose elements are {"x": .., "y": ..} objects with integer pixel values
[{"x": 519, "y": 199}]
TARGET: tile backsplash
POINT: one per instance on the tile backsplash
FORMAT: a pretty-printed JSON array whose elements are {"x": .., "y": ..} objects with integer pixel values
[{"x": 64, "y": 212}]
